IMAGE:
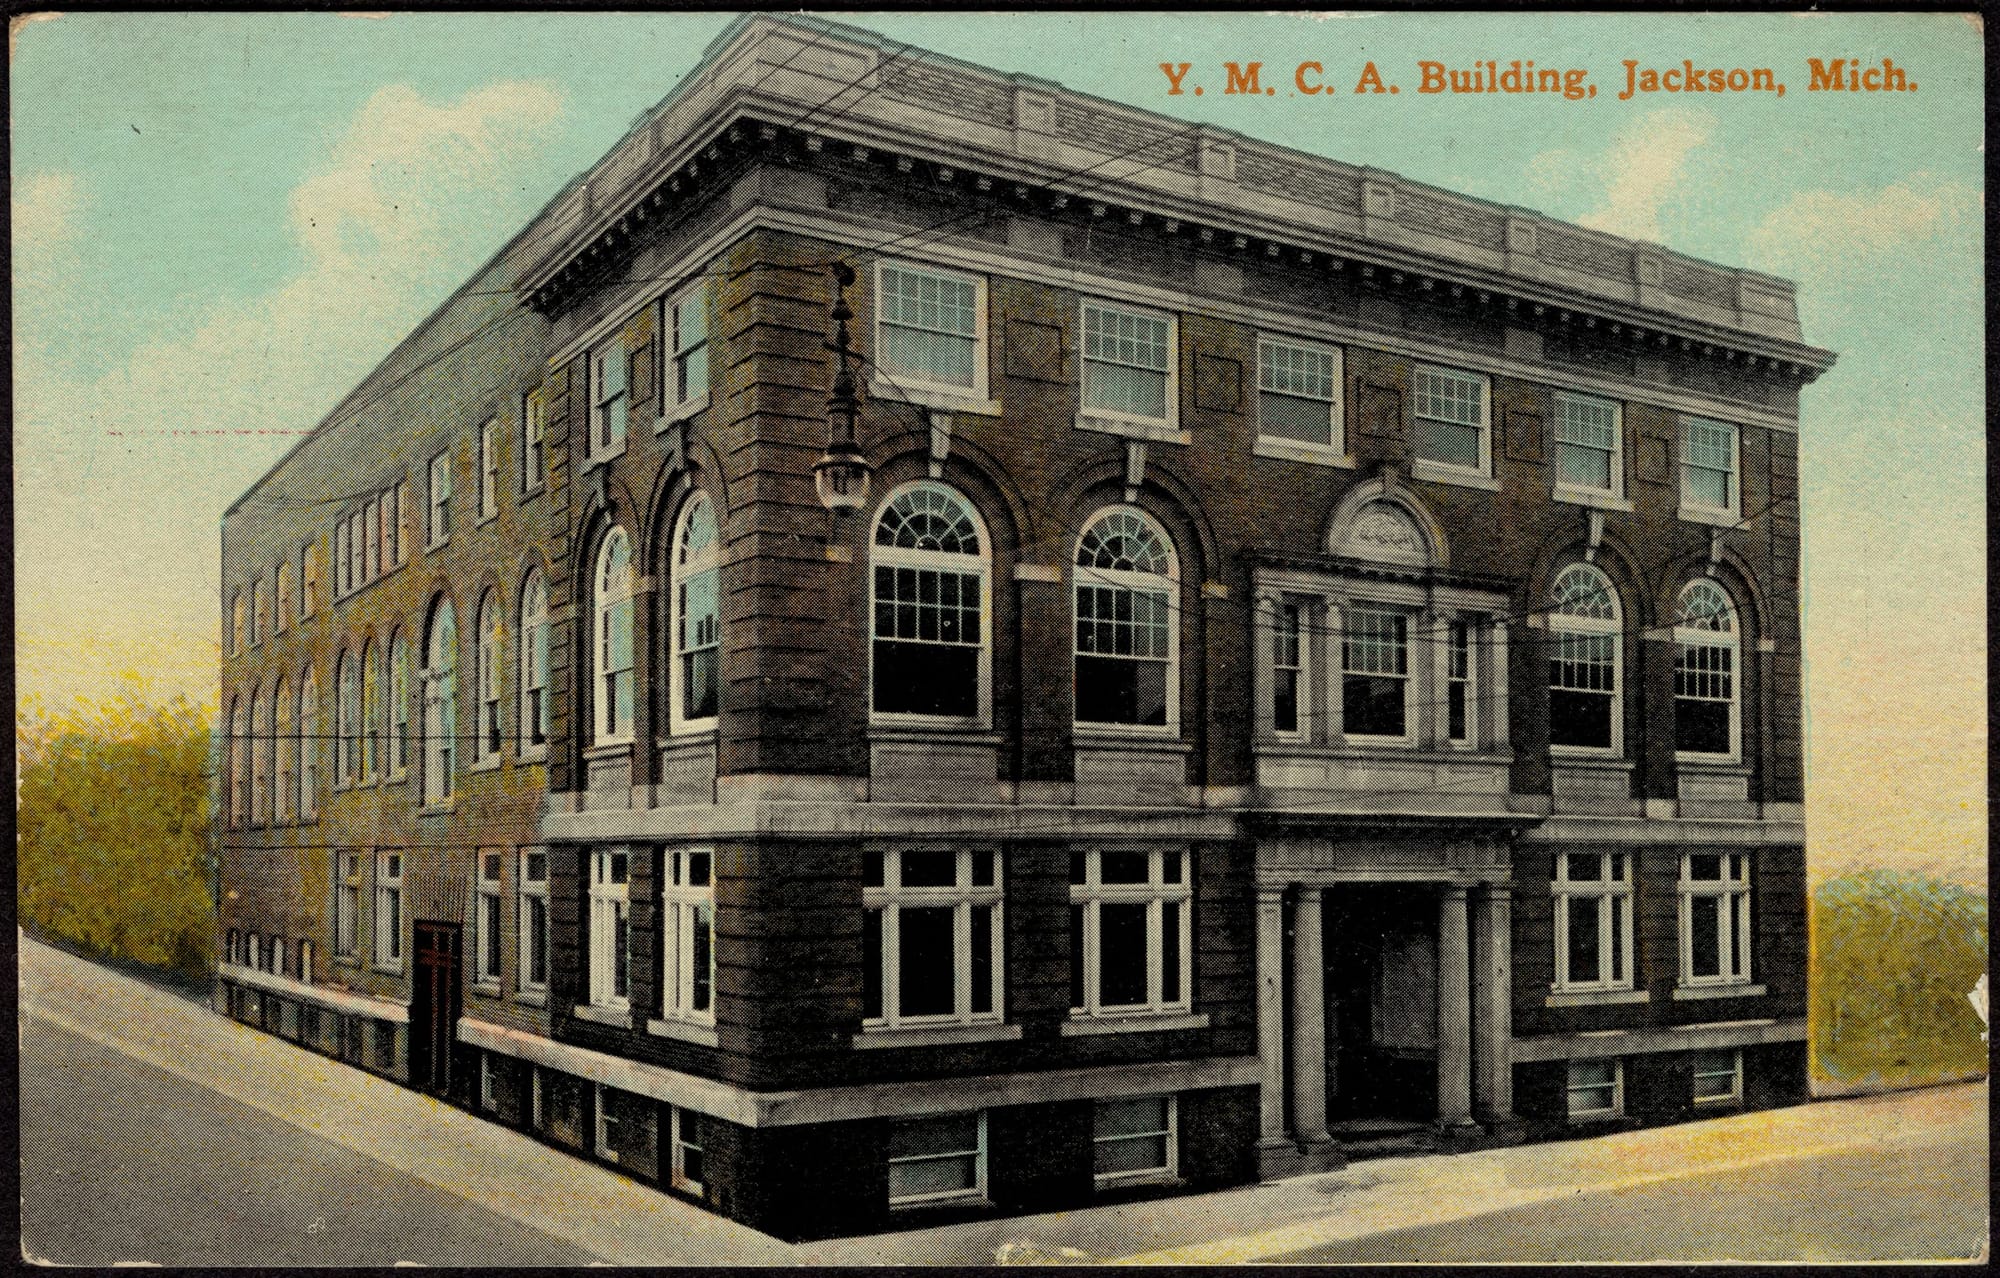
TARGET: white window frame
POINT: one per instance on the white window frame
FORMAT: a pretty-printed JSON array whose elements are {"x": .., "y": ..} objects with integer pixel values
[
  {"x": 258, "y": 743},
  {"x": 1734, "y": 1096},
  {"x": 942, "y": 563},
  {"x": 232, "y": 946},
  {"x": 1725, "y": 638},
  {"x": 1613, "y": 897},
  {"x": 309, "y": 580},
  {"x": 1463, "y": 377},
  {"x": 608, "y": 597},
  {"x": 532, "y": 717},
  {"x": 1411, "y": 621},
  {"x": 691, "y": 563},
  {"x": 531, "y": 901},
  {"x": 256, "y": 944},
  {"x": 1290, "y": 636},
  {"x": 284, "y": 749},
  {"x": 1167, "y": 584},
  {"x": 347, "y": 715},
  {"x": 387, "y": 951},
  {"x": 489, "y": 468},
  {"x": 278, "y": 956},
  {"x": 683, "y": 400},
  {"x": 1561, "y": 623},
  {"x": 601, "y": 1124},
  {"x": 1735, "y": 925},
  {"x": 257, "y": 610},
  {"x": 1461, "y": 637},
  {"x": 487, "y": 920},
  {"x": 890, "y": 898},
  {"x": 1155, "y": 893},
  {"x": 305, "y": 961},
  {"x": 282, "y": 594},
  {"x": 371, "y": 539},
  {"x": 398, "y": 743},
  {"x": 489, "y": 1098},
  {"x": 610, "y": 906},
  {"x": 1168, "y": 422},
  {"x": 974, "y": 1193},
  {"x": 239, "y": 786},
  {"x": 679, "y": 1141},
  {"x": 437, "y": 522},
  {"x": 687, "y": 985},
  {"x": 1617, "y": 1085},
  {"x": 1615, "y": 454},
  {"x": 236, "y": 624},
  {"x": 371, "y": 711},
  {"x": 1167, "y": 1171},
  {"x": 608, "y": 423},
  {"x": 915, "y": 380},
  {"x": 1701, "y": 510},
  {"x": 534, "y": 440},
  {"x": 440, "y": 701},
  {"x": 1269, "y": 377},
  {"x": 309, "y": 745},
  {"x": 489, "y": 737}
]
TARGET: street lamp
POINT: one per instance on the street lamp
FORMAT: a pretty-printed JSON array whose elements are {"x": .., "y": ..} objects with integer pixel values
[{"x": 841, "y": 474}]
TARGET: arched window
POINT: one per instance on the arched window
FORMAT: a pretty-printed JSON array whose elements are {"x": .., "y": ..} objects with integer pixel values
[
  {"x": 308, "y": 745},
  {"x": 236, "y": 759},
  {"x": 260, "y": 775},
  {"x": 613, "y": 638},
  {"x": 1127, "y": 622},
  {"x": 440, "y": 703},
  {"x": 487, "y": 744},
  {"x": 1706, "y": 718},
  {"x": 371, "y": 710},
  {"x": 697, "y": 624},
  {"x": 1585, "y": 647},
  {"x": 287, "y": 750},
  {"x": 533, "y": 719},
  {"x": 399, "y": 705},
  {"x": 930, "y": 606},
  {"x": 236, "y": 623},
  {"x": 347, "y": 721}
]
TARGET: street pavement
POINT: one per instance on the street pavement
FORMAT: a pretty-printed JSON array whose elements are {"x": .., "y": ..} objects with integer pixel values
[{"x": 154, "y": 1130}]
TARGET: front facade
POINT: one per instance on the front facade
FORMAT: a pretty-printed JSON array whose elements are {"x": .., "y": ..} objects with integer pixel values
[{"x": 1305, "y": 659}]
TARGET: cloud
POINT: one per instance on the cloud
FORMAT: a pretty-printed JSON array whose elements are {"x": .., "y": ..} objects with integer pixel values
[
  {"x": 1817, "y": 232},
  {"x": 1643, "y": 169},
  {"x": 117, "y": 512}
]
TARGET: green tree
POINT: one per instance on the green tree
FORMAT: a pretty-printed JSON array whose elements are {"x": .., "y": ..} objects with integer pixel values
[
  {"x": 113, "y": 818},
  {"x": 1893, "y": 957}
]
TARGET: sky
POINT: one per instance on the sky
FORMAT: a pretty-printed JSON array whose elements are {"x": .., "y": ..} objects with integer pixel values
[{"x": 222, "y": 221}]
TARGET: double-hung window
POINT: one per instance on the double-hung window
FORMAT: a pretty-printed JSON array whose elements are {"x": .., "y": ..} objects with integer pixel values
[
  {"x": 941, "y": 1159},
  {"x": 389, "y": 908},
  {"x": 489, "y": 468},
  {"x": 1298, "y": 392},
  {"x": 234, "y": 765},
  {"x": 1708, "y": 467},
  {"x": 285, "y": 751},
  {"x": 1375, "y": 683},
  {"x": 930, "y": 326},
  {"x": 1460, "y": 698},
  {"x": 534, "y": 433},
  {"x": 260, "y": 777},
  {"x": 1130, "y": 924},
  {"x": 531, "y": 916},
  {"x": 1596, "y": 1088},
  {"x": 687, "y": 1138},
  {"x": 257, "y": 611},
  {"x": 931, "y": 937},
  {"x": 309, "y": 745},
  {"x": 687, "y": 328},
  {"x": 613, "y": 639},
  {"x": 308, "y": 580},
  {"x": 1453, "y": 420},
  {"x": 1589, "y": 457},
  {"x": 486, "y": 956},
  {"x": 440, "y": 697},
  {"x": 486, "y": 745},
  {"x": 278, "y": 956},
  {"x": 371, "y": 711},
  {"x": 610, "y": 929},
  {"x": 1715, "y": 918},
  {"x": 282, "y": 617},
  {"x": 1705, "y": 695},
  {"x": 1288, "y": 669},
  {"x": 1585, "y": 654},
  {"x": 1718, "y": 1076},
  {"x": 1128, "y": 364},
  {"x": 533, "y": 716},
  {"x": 372, "y": 561},
  {"x": 1133, "y": 1140},
  {"x": 347, "y": 749},
  {"x": 1593, "y": 898},
  {"x": 687, "y": 934},
  {"x": 697, "y": 624},
  {"x": 399, "y": 706},
  {"x": 438, "y": 525},
  {"x": 1127, "y": 623},
  {"x": 930, "y": 607},
  {"x": 608, "y": 400}
]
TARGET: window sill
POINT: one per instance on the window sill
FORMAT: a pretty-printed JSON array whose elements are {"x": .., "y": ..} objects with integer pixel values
[
  {"x": 1135, "y": 1023},
  {"x": 939, "y": 1200},
  {"x": 445, "y": 808},
  {"x": 1596, "y": 998},
  {"x": 1160, "y": 432},
  {"x": 486, "y": 989},
  {"x": 935, "y": 1035},
  {"x": 680, "y": 412},
  {"x": 605, "y": 458},
  {"x": 485, "y": 765},
  {"x": 1586, "y": 757},
  {"x": 695, "y": 733},
  {"x": 942, "y": 398},
  {"x": 956, "y": 731},
  {"x": 1438, "y": 474},
  {"x": 608, "y": 749},
  {"x": 387, "y": 969},
  {"x": 618, "y": 1016},
  {"x": 533, "y": 754},
  {"x": 439, "y": 544},
  {"x": 1700, "y": 515},
  {"x": 484, "y": 520},
  {"x": 686, "y": 1031},
  {"x": 1592, "y": 497},
  {"x": 1138, "y": 1180},
  {"x": 529, "y": 494},
  {"x": 1300, "y": 451},
  {"x": 1711, "y": 765},
  {"x": 1109, "y": 736},
  {"x": 1685, "y": 993},
  {"x": 532, "y": 998}
]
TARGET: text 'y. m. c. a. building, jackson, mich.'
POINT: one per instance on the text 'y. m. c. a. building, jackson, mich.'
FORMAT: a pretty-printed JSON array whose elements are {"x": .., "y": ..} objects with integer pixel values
[{"x": 923, "y": 642}]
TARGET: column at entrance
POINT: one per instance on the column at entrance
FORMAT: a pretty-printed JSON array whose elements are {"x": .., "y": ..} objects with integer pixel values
[
  {"x": 1454, "y": 1031},
  {"x": 1309, "y": 1022},
  {"x": 1493, "y": 1005},
  {"x": 1272, "y": 1144}
]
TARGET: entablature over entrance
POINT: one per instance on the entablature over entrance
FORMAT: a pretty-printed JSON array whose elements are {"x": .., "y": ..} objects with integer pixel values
[{"x": 1325, "y": 848}]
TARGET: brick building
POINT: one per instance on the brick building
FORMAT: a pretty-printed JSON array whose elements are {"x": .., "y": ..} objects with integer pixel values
[{"x": 1295, "y": 659}]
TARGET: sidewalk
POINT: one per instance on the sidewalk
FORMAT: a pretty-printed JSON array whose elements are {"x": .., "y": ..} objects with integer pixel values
[{"x": 627, "y": 1223}]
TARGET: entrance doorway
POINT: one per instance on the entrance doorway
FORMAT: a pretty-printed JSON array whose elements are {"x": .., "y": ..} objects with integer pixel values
[
  {"x": 1381, "y": 994},
  {"x": 434, "y": 1007}
]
